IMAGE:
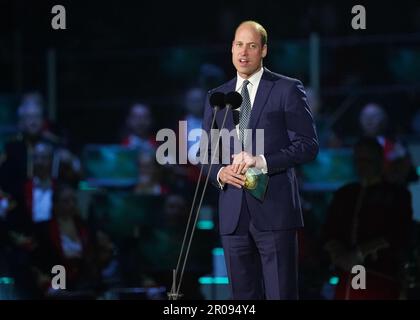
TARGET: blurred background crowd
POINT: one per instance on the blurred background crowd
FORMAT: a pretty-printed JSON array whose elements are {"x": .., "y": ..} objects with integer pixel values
[{"x": 80, "y": 108}]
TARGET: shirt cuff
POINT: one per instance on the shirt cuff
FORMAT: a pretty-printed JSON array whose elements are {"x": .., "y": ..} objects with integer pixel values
[
  {"x": 262, "y": 164},
  {"x": 221, "y": 185}
]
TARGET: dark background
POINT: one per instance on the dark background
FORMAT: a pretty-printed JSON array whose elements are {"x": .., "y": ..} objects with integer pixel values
[{"x": 113, "y": 53}]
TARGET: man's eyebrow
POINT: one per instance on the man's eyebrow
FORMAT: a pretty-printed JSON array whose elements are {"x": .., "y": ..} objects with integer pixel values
[{"x": 240, "y": 41}]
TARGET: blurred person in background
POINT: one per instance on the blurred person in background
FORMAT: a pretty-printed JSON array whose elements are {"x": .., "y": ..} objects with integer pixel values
[
  {"x": 170, "y": 236},
  {"x": 137, "y": 131},
  {"x": 194, "y": 99},
  {"x": 210, "y": 76},
  {"x": 39, "y": 189},
  {"x": 65, "y": 240},
  {"x": 193, "y": 102},
  {"x": 398, "y": 167},
  {"x": 368, "y": 223},
  {"x": 67, "y": 167},
  {"x": 18, "y": 166},
  {"x": 33, "y": 124},
  {"x": 35, "y": 207},
  {"x": 156, "y": 250},
  {"x": 326, "y": 136},
  {"x": 150, "y": 176}
]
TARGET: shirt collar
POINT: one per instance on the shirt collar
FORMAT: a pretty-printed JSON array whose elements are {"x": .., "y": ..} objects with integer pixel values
[{"x": 253, "y": 80}]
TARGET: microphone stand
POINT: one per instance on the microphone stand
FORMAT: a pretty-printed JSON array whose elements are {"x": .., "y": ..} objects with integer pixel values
[{"x": 174, "y": 293}]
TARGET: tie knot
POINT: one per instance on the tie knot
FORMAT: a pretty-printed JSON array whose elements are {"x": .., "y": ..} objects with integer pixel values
[{"x": 245, "y": 83}]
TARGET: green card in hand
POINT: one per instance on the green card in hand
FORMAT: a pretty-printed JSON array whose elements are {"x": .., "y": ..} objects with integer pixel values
[{"x": 256, "y": 183}]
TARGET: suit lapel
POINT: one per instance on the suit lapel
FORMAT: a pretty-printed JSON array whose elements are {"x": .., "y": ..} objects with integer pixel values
[{"x": 261, "y": 97}]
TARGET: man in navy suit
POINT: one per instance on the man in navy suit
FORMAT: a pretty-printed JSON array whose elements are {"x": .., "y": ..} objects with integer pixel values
[{"x": 259, "y": 237}]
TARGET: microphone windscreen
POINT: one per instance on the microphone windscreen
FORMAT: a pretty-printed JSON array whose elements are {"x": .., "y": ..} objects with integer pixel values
[
  {"x": 217, "y": 99},
  {"x": 234, "y": 99}
]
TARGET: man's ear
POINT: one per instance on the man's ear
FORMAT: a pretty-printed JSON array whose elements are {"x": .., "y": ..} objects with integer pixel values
[{"x": 264, "y": 51}]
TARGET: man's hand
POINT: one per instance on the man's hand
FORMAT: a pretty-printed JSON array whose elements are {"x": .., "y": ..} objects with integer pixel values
[
  {"x": 243, "y": 161},
  {"x": 229, "y": 176}
]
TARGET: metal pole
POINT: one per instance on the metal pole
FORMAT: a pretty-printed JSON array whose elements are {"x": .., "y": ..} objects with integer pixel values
[
  {"x": 314, "y": 64},
  {"x": 18, "y": 62},
  {"x": 51, "y": 84}
]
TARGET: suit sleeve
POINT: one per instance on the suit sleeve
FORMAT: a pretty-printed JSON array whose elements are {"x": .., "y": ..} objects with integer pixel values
[
  {"x": 206, "y": 158},
  {"x": 300, "y": 127}
]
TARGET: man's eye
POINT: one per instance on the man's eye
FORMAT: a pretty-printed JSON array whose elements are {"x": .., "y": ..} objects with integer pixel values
[{"x": 253, "y": 46}]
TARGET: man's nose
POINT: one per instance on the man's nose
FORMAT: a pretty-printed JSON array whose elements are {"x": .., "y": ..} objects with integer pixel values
[{"x": 243, "y": 51}]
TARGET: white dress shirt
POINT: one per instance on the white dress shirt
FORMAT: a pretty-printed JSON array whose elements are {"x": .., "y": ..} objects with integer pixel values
[{"x": 254, "y": 82}]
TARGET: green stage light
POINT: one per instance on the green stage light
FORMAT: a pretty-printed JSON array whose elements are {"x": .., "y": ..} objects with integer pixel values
[
  {"x": 84, "y": 186},
  {"x": 334, "y": 281},
  {"x": 218, "y": 252},
  {"x": 213, "y": 280},
  {"x": 6, "y": 280},
  {"x": 205, "y": 225}
]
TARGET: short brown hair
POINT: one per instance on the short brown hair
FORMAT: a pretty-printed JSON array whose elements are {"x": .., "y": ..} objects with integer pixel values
[{"x": 259, "y": 28}]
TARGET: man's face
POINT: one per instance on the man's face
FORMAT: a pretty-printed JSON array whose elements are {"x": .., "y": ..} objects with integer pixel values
[
  {"x": 372, "y": 120},
  {"x": 247, "y": 51},
  {"x": 31, "y": 120},
  {"x": 140, "y": 120},
  {"x": 194, "y": 101}
]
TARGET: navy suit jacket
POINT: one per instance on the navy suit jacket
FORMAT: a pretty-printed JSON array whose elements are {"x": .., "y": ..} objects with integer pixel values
[{"x": 290, "y": 139}]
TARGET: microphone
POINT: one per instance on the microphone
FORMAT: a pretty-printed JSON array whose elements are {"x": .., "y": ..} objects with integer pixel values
[
  {"x": 233, "y": 100},
  {"x": 217, "y": 100}
]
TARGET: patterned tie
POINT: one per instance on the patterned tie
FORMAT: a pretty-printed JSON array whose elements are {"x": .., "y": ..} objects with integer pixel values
[{"x": 245, "y": 112}]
